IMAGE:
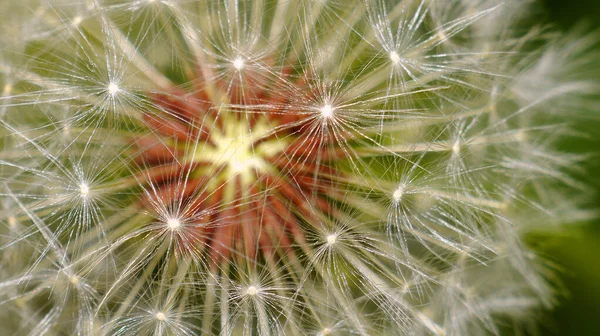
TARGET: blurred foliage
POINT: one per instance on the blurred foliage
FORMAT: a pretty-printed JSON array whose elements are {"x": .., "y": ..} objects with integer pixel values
[{"x": 578, "y": 251}]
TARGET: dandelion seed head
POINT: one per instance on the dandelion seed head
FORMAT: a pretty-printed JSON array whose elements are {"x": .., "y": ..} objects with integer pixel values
[
  {"x": 456, "y": 147},
  {"x": 331, "y": 239},
  {"x": 160, "y": 316},
  {"x": 173, "y": 223},
  {"x": 394, "y": 57},
  {"x": 327, "y": 111},
  {"x": 442, "y": 35},
  {"x": 398, "y": 193},
  {"x": 84, "y": 189},
  {"x": 326, "y": 332},
  {"x": 252, "y": 291},
  {"x": 268, "y": 173},
  {"x": 238, "y": 63},
  {"x": 12, "y": 222},
  {"x": 77, "y": 21},
  {"x": 113, "y": 88}
]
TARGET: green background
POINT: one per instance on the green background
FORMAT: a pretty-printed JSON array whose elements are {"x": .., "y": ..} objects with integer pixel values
[{"x": 578, "y": 251}]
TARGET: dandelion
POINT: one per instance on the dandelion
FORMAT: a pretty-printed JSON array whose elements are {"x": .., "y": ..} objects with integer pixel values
[{"x": 313, "y": 167}]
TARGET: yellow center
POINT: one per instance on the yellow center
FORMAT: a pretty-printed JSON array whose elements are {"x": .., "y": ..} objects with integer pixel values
[{"x": 236, "y": 150}]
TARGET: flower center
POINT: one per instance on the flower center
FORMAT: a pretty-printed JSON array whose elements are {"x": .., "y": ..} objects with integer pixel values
[
  {"x": 242, "y": 179},
  {"x": 239, "y": 149}
]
